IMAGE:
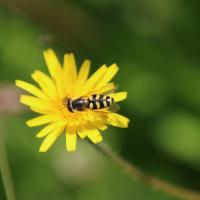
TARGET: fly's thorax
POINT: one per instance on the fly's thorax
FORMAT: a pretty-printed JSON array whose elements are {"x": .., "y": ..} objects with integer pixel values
[{"x": 79, "y": 104}]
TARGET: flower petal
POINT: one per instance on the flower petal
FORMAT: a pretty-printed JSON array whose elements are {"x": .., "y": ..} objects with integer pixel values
[
  {"x": 46, "y": 84},
  {"x": 50, "y": 139},
  {"x": 55, "y": 70},
  {"x": 30, "y": 88},
  {"x": 100, "y": 125},
  {"x": 41, "y": 111},
  {"x": 71, "y": 140},
  {"x": 110, "y": 73},
  {"x": 84, "y": 71},
  {"x": 70, "y": 71},
  {"x": 36, "y": 102},
  {"x": 43, "y": 119},
  {"x": 52, "y": 62},
  {"x": 94, "y": 136},
  {"x": 119, "y": 96},
  {"x": 95, "y": 121},
  {"x": 82, "y": 134},
  {"x": 50, "y": 127},
  {"x": 107, "y": 89},
  {"x": 82, "y": 77},
  {"x": 93, "y": 80},
  {"x": 118, "y": 120}
]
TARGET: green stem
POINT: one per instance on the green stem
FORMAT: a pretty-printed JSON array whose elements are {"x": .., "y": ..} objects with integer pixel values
[
  {"x": 155, "y": 183},
  {"x": 5, "y": 171}
]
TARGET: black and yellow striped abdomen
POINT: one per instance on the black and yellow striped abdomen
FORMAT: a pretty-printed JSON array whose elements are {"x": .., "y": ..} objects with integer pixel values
[
  {"x": 99, "y": 101},
  {"x": 93, "y": 102}
]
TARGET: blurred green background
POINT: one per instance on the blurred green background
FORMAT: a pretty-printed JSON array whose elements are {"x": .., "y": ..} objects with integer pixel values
[{"x": 156, "y": 45}]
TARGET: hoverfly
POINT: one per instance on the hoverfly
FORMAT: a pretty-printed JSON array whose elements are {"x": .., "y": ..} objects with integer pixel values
[{"x": 92, "y": 102}]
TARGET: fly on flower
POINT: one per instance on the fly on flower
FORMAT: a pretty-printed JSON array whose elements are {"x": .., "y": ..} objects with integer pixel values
[
  {"x": 93, "y": 102},
  {"x": 72, "y": 102}
]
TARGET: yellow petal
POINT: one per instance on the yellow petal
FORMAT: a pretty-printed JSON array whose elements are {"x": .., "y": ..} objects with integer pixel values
[
  {"x": 119, "y": 96},
  {"x": 52, "y": 62},
  {"x": 46, "y": 84},
  {"x": 49, "y": 128},
  {"x": 107, "y": 89},
  {"x": 35, "y": 102},
  {"x": 80, "y": 131},
  {"x": 41, "y": 111},
  {"x": 93, "y": 80},
  {"x": 118, "y": 120},
  {"x": 100, "y": 125},
  {"x": 86, "y": 125},
  {"x": 82, "y": 77},
  {"x": 95, "y": 122},
  {"x": 55, "y": 70},
  {"x": 50, "y": 139},
  {"x": 43, "y": 119},
  {"x": 70, "y": 71},
  {"x": 82, "y": 134},
  {"x": 84, "y": 71},
  {"x": 30, "y": 88},
  {"x": 71, "y": 140},
  {"x": 94, "y": 136},
  {"x": 110, "y": 73}
]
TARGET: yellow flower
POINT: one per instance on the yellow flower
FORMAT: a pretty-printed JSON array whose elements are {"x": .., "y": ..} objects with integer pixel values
[{"x": 65, "y": 83}]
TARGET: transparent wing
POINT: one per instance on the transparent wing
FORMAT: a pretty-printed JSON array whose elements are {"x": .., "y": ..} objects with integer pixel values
[{"x": 114, "y": 107}]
